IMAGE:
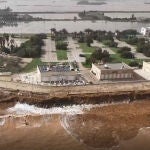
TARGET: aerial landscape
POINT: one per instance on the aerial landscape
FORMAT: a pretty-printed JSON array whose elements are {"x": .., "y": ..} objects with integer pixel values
[{"x": 74, "y": 75}]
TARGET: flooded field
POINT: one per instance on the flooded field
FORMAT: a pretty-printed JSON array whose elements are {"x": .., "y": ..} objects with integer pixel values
[
  {"x": 82, "y": 127},
  {"x": 71, "y": 26},
  {"x": 72, "y": 6}
]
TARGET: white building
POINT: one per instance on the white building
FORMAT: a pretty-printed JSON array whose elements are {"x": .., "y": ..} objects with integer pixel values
[
  {"x": 145, "y": 71},
  {"x": 112, "y": 71},
  {"x": 145, "y": 31},
  {"x": 56, "y": 73}
]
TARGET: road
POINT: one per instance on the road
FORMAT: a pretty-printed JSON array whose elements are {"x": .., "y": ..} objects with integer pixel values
[
  {"x": 49, "y": 51},
  {"x": 133, "y": 49},
  {"x": 74, "y": 51}
]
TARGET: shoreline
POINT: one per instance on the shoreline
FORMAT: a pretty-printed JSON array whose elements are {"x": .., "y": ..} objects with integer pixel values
[
  {"x": 72, "y": 12},
  {"x": 100, "y": 127},
  {"x": 58, "y": 96}
]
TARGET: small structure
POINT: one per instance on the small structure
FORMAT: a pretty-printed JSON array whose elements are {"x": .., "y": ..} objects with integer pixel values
[
  {"x": 56, "y": 73},
  {"x": 145, "y": 31},
  {"x": 112, "y": 71}
]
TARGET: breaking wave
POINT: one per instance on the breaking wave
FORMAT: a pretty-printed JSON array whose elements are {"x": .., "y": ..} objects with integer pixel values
[
  {"x": 2, "y": 121},
  {"x": 25, "y": 109}
]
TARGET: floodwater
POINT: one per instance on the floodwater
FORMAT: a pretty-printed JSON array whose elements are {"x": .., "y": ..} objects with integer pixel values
[
  {"x": 77, "y": 127},
  {"x": 71, "y": 5},
  {"x": 71, "y": 26}
]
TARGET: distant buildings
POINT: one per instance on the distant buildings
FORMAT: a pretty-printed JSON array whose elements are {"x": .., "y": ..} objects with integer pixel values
[
  {"x": 145, "y": 31},
  {"x": 112, "y": 71}
]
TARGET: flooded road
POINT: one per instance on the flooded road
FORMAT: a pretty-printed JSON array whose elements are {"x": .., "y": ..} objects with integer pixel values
[
  {"x": 120, "y": 126},
  {"x": 72, "y": 5}
]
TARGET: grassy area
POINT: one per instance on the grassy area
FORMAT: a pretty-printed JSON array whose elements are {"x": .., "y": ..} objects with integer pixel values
[
  {"x": 85, "y": 48},
  {"x": 87, "y": 65},
  {"x": 61, "y": 54},
  {"x": 32, "y": 65},
  {"x": 117, "y": 58}
]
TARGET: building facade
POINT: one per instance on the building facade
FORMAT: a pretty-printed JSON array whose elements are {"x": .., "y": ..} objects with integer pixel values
[
  {"x": 146, "y": 67},
  {"x": 145, "y": 31},
  {"x": 55, "y": 73},
  {"x": 117, "y": 71}
]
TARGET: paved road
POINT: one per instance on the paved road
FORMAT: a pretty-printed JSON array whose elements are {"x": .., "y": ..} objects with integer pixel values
[
  {"x": 50, "y": 51},
  {"x": 98, "y": 44},
  {"x": 133, "y": 49},
  {"x": 74, "y": 51}
]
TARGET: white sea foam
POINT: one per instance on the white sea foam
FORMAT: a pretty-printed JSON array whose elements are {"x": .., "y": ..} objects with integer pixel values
[
  {"x": 2, "y": 122},
  {"x": 25, "y": 109}
]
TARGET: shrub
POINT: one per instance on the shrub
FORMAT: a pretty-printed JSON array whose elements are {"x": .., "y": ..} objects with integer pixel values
[
  {"x": 126, "y": 54},
  {"x": 110, "y": 43},
  {"x": 124, "y": 49},
  {"x": 134, "y": 64},
  {"x": 60, "y": 45}
]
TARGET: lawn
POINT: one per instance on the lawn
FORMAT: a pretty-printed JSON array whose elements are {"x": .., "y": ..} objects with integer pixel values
[
  {"x": 61, "y": 54},
  {"x": 32, "y": 65},
  {"x": 85, "y": 48},
  {"x": 87, "y": 64}
]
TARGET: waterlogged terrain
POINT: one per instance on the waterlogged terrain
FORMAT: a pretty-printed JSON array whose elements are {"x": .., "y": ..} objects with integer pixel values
[
  {"x": 72, "y": 6},
  {"x": 118, "y": 126}
]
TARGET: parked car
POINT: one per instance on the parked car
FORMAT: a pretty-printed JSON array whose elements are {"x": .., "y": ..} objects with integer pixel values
[{"x": 81, "y": 55}]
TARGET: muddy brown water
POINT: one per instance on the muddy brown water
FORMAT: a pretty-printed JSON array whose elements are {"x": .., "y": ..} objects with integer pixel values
[{"x": 116, "y": 127}]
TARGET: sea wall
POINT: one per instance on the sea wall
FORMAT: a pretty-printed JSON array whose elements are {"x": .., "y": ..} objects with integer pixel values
[{"x": 75, "y": 90}]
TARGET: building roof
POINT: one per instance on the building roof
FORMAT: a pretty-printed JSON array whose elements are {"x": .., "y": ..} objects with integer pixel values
[
  {"x": 113, "y": 66},
  {"x": 54, "y": 68}
]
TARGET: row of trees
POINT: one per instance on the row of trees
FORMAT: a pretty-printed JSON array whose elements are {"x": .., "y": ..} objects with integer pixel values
[
  {"x": 61, "y": 45},
  {"x": 7, "y": 43},
  {"x": 31, "y": 48},
  {"x": 144, "y": 48},
  {"x": 130, "y": 36},
  {"x": 125, "y": 52}
]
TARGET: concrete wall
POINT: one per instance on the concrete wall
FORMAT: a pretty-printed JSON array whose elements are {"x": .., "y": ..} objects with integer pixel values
[
  {"x": 5, "y": 78},
  {"x": 69, "y": 90},
  {"x": 146, "y": 66},
  {"x": 96, "y": 71}
]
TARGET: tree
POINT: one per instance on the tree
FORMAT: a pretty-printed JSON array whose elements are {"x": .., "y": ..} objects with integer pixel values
[
  {"x": 89, "y": 41},
  {"x": 127, "y": 54},
  {"x": 60, "y": 45},
  {"x": 99, "y": 55}
]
